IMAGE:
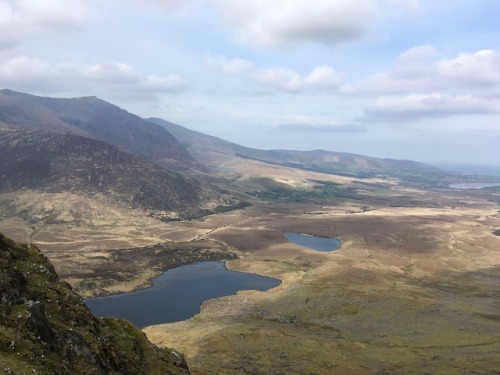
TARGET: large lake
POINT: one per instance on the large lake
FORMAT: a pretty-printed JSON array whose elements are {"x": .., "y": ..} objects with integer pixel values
[
  {"x": 177, "y": 294},
  {"x": 314, "y": 242}
]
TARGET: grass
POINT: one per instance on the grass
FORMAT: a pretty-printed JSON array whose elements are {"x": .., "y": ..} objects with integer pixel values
[
  {"x": 46, "y": 329},
  {"x": 327, "y": 328},
  {"x": 206, "y": 212},
  {"x": 323, "y": 191}
]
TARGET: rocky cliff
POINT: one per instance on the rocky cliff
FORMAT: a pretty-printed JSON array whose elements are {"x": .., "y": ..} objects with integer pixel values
[{"x": 46, "y": 329}]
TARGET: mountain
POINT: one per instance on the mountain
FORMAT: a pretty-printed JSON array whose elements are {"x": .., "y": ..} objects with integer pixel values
[
  {"x": 54, "y": 162},
  {"x": 206, "y": 149},
  {"x": 46, "y": 329},
  {"x": 95, "y": 118},
  {"x": 214, "y": 152},
  {"x": 175, "y": 147}
]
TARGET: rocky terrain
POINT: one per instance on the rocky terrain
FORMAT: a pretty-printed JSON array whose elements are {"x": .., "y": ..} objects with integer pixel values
[
  {"x": 46, "y": 329},
  {"x": 56, "y": 163}
]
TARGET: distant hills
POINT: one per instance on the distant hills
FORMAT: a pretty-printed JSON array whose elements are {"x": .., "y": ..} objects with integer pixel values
[
  {"x": 214, "y": 152},
  {"x": 87, "y": 145}
]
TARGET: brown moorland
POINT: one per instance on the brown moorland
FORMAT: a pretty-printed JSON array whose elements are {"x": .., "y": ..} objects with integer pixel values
[{"x": 413, "y": 289}]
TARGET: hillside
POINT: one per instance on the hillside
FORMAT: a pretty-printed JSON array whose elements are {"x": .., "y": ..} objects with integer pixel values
[
  {"x": 95, "y": 118},
  {"x": 46, "y": 329},
  {"x": 57, "y": 163},
  {"x": 215, "y": 152},
  {"x": 206, "y": 149}
]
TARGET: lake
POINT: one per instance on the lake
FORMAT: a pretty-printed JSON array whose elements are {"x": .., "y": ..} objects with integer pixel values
[
  {"x": 314, "y": 242},
  {"x": 178, "y": 293},
  {"x": 474, "y": 185}
]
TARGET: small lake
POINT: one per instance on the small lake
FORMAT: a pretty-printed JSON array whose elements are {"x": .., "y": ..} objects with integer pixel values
[
  {"x": 178, "y": 293},
  {"x": 474, "y": 185},
  {"x": 314, "y": 242}
]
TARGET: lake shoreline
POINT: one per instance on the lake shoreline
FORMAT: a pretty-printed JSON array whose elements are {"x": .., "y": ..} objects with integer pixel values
[
  {"x": 179, "y": 293},
  {"x": 316, "y": 243}
]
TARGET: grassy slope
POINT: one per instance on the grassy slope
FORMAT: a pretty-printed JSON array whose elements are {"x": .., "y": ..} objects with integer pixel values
[{"x": 46, "y": 329}]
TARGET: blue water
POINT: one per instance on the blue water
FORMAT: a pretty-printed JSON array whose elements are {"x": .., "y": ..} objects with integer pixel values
[
  {"x": 177, "y": 294},
  {"x": 474, "y": 185},
  {"x": 313, "y": 242},
  {"x": 470, "y": 169}
]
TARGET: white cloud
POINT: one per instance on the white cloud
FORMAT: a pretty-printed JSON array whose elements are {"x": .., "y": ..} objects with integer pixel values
[
  {"x": 476, "y": 69},
  {"x": 163, "y": 5},
  {"x": 284, "y": 79},
  {"x": 421, "y": 85},
  {"x": 8, "y": 37},
  {"x": 415, "y": 70},
  {"x": 412, "y": 107},
  {"x": 224, "y": 65},
  {"x": 37, "y": 75},
  {"x": 22, "y": 19},
  {"x": 284, "y": 23},
  {"x": 24, "y": 71},
  {"x": 320, "y": 124},
  {"x": 323, "y": 77},
  {"x": 416, "y": 62},
  {"x": 54, "y": 14},
  {"x": 419, "y": 71},
  {"x": 278, "y": 78},
  {"x": 387, "y": 83}
]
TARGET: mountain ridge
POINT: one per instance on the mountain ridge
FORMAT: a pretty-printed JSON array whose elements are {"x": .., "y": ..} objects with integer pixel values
[
  {"x": 55, "y": 162},
  {"x": 95, "y": 118},
  {"x": 213, "y": 152}
]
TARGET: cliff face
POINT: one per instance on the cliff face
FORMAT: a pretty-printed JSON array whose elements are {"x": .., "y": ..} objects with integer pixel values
[{"x": 46, "y": 329}]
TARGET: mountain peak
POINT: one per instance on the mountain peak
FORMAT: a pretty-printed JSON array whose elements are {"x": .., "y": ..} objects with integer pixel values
[{"x": 95, "y": 118}]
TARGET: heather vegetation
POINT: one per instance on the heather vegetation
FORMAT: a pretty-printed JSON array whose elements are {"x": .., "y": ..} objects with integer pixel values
[{"x": 46, "y": 328}]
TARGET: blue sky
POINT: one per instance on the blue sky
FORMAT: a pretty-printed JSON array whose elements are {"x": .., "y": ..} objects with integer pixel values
[{"x": 406, "y": 79}]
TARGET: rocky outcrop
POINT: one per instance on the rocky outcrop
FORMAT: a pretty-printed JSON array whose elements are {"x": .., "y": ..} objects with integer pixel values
[
  {"x": 55, "y": 162},
  {"x": 46, "y": 329}
]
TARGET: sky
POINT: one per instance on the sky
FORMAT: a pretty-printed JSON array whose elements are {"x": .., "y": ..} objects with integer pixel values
[{"x": 403, "y": 79}]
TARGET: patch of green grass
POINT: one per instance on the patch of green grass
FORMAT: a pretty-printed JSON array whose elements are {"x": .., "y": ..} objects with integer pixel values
[
  {"x": 206, "y": 212},
  {"x": 322, "y": 192}
]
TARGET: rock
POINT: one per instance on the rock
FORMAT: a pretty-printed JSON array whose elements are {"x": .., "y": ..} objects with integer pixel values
[{"x": 46, "y": 329}]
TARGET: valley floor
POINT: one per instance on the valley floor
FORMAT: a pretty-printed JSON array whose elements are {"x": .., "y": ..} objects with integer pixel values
[{"x": 413, "y": 289}]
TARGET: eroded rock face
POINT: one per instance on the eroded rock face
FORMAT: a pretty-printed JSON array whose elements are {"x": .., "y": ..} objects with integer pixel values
[{"x": 46, "y": 328}]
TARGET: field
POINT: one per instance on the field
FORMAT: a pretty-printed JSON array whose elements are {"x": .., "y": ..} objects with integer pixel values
[{"x": 412, "y": 290}]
